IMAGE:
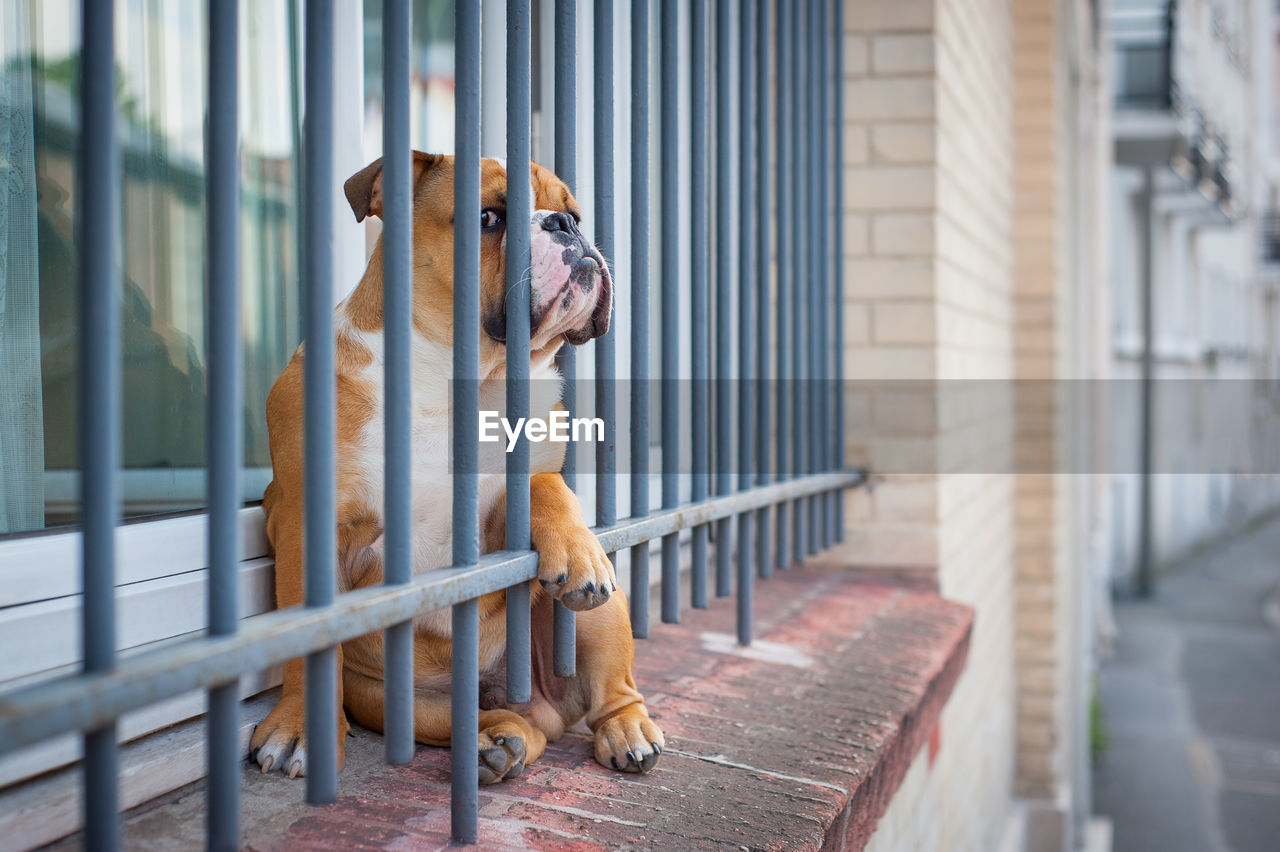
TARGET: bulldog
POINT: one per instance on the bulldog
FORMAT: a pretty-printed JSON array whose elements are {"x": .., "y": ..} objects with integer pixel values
[{"x": 570, "y": 302}]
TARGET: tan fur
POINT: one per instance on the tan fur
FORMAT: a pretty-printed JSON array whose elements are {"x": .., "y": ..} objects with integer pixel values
[{"x": 572, "y": 566}]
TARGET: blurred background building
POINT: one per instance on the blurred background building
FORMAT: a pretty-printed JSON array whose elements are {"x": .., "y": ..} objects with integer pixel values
[
  {"x": 1193, "y": 266},
  {"x": 1073, "y": 196}
]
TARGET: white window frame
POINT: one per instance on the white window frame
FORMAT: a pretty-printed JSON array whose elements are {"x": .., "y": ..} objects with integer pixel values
[{"x": 162, "y": 564}]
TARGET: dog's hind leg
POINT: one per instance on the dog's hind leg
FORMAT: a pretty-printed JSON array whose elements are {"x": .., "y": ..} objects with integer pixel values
[
  {"x": 279, "y": 741},
  {"x": 507, "y": 743}
]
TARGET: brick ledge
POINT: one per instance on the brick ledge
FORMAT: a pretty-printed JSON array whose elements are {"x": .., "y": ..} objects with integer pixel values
[{"x": 799, "y": 742}]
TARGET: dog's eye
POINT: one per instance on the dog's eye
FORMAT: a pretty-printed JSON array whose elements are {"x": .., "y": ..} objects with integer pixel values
[{"x": 490, "y": 219}]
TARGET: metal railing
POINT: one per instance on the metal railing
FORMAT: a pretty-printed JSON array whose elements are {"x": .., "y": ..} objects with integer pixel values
[{"x": 789, "y": 422}]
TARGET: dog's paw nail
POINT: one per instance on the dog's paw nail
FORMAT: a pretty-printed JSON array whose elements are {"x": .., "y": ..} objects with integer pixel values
[
  {"x": 632, "y": 757},
  {"x": 546, "y": 584},
  {"x": 295, "y": 768},
  {"x": 268, "y": 763},
  {"x": 657, "y": 749},
  {"x": 590, "y": 588},
  {"x": 562, "y": 579},
  {"x": 499, "y": 740},
  {"x": 614, "y": 761}
]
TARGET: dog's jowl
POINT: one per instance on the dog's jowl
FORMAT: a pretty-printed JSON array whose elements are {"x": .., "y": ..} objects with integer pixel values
[{"x": 571, "y": 298}]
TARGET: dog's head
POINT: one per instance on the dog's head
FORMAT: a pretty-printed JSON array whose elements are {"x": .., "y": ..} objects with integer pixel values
[{"x": 571, "y": 293}]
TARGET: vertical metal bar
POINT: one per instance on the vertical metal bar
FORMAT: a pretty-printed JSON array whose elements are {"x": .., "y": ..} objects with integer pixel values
[
  {"x": 606, "y": 370},
  {"x": 763, "y": 244},
  {"x": 831, "y": 352},
  {"x": 823, "y": 313},
  {"x": 101, "y": 771},
  {"x": 746, "y": 305},
  {"x": 800, "y": 179},
  {"x": 465, "y": 710},
  {"x": 724, "y": 301},
  {"x": 397, "y": 322},
  {"x": 465, "y": 719},
  {"x": 566, "y": 136},
  {"x": 1146, "y": 574},
  {"x": 640, "y": 213},
  {"x": 786, "y": 215},
  {"x": 811, "y": 287},
  {"x": 519, "y": 214},
  {"x": 224, "y": 427},
  {"x": 670, "y": 222},
  {"x": 100, "y": 393},
  {"x": 837, "y": 168},
  {"x": 320, "y": 395},
  {"x": 699, "y": 296}
]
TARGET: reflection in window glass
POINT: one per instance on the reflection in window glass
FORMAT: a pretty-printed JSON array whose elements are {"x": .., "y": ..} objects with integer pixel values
[
  {"x": 160, "y": 58},
  {"x": 431, "y": 87},
  {"x": 160, "y": 50}
]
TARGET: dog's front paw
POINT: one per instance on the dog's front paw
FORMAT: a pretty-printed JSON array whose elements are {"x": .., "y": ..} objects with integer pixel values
[
  {"x": 573, "y": 568},
  {"x": 502, "y": 753},
  {"x": 280, "y": 740},
  {"x": 629, "y": 741}
]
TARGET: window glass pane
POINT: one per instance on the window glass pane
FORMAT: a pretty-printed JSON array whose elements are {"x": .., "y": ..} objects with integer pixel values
[
  {"x": 160, "y": 58},
  {"x": 431, "y": 87},
  {"x": 160, "y": 50}
]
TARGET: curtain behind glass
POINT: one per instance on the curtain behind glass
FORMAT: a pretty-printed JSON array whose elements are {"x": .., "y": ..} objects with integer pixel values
[
  {"x": 160, "y": 66},
  {"x": 21, "y": 414}
]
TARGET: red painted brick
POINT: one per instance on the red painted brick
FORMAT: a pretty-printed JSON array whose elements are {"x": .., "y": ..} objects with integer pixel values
[{"x": 763, "y": 755}]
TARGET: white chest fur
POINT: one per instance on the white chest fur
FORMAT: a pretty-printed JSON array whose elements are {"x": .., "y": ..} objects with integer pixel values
[{"x": 432, "y": 471}]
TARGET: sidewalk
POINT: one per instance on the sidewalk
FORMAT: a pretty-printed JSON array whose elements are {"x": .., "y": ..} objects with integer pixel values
[{"x": 1192, "y": 707}]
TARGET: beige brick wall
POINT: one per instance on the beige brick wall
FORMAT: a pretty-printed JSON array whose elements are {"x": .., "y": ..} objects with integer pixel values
[
  {"x": 974, "y": 261},
  {"x": 1043, "y": 144},
  {"x": 929, "y": 296},
  {"x": 962, "y": 181},
  {"x": 891, "y": 316}
]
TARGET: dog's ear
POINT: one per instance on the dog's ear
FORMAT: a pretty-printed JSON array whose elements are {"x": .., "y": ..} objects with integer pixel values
[{"x": 364, "y": 188}]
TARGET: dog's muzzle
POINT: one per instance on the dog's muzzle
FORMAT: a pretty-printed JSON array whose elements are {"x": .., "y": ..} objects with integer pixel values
[{"x": 571, "y": 293}]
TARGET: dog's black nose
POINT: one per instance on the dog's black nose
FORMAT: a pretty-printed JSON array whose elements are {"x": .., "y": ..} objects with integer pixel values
[{"x": 559, "y": 222}]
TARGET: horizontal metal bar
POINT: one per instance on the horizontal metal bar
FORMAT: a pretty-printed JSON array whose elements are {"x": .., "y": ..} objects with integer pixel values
[
  {"x": 84, "y": 702},
  {"x": 634, "y": 531}
]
